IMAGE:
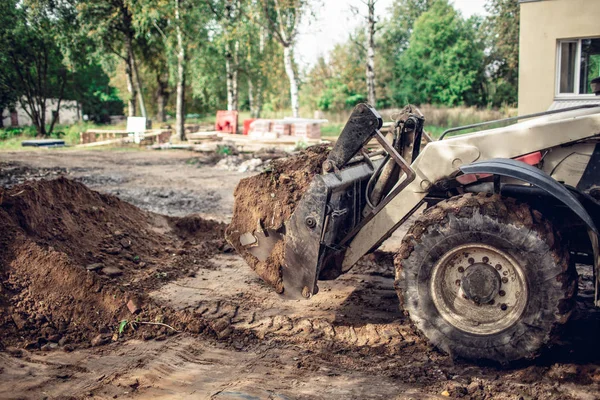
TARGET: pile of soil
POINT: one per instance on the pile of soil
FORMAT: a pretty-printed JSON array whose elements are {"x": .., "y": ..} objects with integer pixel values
[
  {"x": 74, "y": 262},
  {"x": 266, "y": 201}
]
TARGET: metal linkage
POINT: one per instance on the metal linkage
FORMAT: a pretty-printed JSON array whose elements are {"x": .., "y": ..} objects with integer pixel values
[{"x": 410, "y": 176}]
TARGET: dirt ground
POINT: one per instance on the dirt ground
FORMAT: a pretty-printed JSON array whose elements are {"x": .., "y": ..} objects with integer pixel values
[{"x": 349, "y": 341}]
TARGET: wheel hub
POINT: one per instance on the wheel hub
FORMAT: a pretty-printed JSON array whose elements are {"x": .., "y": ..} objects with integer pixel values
[
  {"x": 481, "y": 283},
  {"x": 479, "y": 288}
]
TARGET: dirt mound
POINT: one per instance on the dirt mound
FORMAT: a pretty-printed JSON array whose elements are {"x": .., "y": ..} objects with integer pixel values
[
  {"x": 267, "y": 200},
  {"x": 74, "y": 262}
]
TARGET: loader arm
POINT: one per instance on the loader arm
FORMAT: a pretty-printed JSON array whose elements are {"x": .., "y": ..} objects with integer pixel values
[{"x": 442, "y": 159}]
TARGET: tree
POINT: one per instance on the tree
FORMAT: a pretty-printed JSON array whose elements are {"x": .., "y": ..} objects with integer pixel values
[
  {"x": 183, "y": 26},
  {"x": 371, "y": 29},
  {"x": 93, "y": 93},
  {"x": 109, "y": 24},
  {"x": 228, "y": 14},
  {"x": 181, "y": 64},
  {"x": 444, "y": 60},
  {"x": 502, "y": 24},
  {"x": 33, "y": 71},
  {"x": 257, "y": 66},
  {"x": 394, "y": 40},
  {"x": 338, "y": 84},
  {"x": 283, "y": 18}
]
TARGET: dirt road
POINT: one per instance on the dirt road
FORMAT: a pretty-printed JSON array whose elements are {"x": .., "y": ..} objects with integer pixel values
[{"x": 349, "y": 341}]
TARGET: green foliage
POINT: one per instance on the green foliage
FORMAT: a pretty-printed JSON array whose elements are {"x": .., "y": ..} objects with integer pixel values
[
  {"x": 122, "y": 326},
  {"x": 91, "y": 88},
  {"x": 444, "y": 61},
  {"x": 426, "y": 52},
  {"x": 503, "y": 41},
  {"x": 340, "y": 83},
  {"x": 8, "y": 133},
  {"x": 394, "y": 40},
  {"x": 31, "y": 65}
]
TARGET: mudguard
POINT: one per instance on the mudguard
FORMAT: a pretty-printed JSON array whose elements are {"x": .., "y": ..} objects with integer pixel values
[{"x": 526, "y": 173}]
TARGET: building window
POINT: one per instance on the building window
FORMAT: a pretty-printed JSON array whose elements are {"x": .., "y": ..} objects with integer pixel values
[{"x": 578, "y": 64}]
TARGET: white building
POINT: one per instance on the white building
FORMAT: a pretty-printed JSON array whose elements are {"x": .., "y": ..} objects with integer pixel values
[{"x": 68, "y": 114}]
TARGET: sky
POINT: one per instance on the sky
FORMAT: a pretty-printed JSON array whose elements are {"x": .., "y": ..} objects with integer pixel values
[{"x": 335, "y": 20}]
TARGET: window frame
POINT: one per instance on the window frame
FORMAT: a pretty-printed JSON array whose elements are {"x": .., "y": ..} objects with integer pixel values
[{"x": 577, "y": 83}]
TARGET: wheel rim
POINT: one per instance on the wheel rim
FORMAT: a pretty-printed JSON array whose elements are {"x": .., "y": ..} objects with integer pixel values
[{"x": 479, "y": 289}]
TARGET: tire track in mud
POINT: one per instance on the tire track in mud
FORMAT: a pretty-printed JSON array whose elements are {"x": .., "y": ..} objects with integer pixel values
[{"x": 359, "y": 311}]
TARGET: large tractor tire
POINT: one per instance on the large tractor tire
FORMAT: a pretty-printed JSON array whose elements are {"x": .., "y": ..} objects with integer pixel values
[{"x": 483, "y": 277}]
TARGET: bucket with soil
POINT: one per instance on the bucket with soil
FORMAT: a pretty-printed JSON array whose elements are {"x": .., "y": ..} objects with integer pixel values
[{"x": 264, "y": 202}]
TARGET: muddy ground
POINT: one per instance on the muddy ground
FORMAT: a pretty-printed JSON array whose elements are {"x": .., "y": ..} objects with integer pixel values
[{"x": 349, "y": 341}]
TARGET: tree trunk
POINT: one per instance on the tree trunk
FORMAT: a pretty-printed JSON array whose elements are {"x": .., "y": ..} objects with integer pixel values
[
  {"x": 37, "y": 107},
  {"x": 258, "y": 93},
  {"x": 288, "y": 59},
  {"x": 372, "y": 98},
  {"x": 136, "y": 78},
  {"x": 161, "y": 97},
  {"x": 259, "y": 100},
  {"x": 229, "y": 73},
  {"x": 130, "y": 89},
  {"x": 236, "y": 67},
  {"x": 255, "y": 97},
  {"x": 180, "y": 108},
  {"x": 251, "y": 97},
  {"x": 231, "y": 68},
  {"x": 55, "y": 114}
]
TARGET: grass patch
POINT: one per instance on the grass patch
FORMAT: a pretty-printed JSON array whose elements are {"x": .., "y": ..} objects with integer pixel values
[
  {"x": 329, "y": 130},
  {"x": 11, "y": 138}
]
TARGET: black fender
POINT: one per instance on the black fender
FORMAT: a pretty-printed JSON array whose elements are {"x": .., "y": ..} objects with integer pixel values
[{"x": 535, "y": 176}]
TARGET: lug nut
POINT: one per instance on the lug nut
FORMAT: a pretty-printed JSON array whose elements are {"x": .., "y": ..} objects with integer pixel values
[
  {"x": 503, "y": 307},
  {"x": 505, "y": 280},
  {"x": 471, "y": 260},
  {"x": 458, "y": 282},
  {"x": 492, "y": 302},
  {"x": 498, "y": 267},
  {"x": 461, "y": 269},
  {"x": 502, "y": 293},
  {"x": 485, "y": 260},
  {"x": 310, "y": 222}
]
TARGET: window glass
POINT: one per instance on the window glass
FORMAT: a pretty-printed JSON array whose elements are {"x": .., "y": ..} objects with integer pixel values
[
  {"x": 590, "y": 64},
  {"x": 568, "y": 54}
]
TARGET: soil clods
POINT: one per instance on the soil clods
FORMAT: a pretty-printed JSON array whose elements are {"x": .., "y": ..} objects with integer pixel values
[{"x": 266, "y": 201}]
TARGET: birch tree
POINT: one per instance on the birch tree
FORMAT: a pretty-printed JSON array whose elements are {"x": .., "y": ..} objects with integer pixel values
[
  {"x": 283, "y": 18},
  {"x": 371, "y": 30},
  {"x": 228, "y": 15}
]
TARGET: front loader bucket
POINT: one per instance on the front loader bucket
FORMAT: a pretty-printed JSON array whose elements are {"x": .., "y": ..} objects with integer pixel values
[
  {"x": 287, "y": 221},
  {"x": 263, "y": 205}
]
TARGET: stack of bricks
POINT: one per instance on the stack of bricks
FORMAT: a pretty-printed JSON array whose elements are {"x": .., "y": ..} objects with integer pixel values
[{"x": 308, "y": 130}]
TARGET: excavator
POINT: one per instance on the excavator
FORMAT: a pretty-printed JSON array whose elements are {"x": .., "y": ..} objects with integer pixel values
[{"x": 487, "y": 268}]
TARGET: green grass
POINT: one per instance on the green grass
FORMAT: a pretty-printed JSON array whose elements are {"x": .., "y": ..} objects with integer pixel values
[
  {"x": 11, "y": 138},
  {"x": 329, "y": 130}
]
